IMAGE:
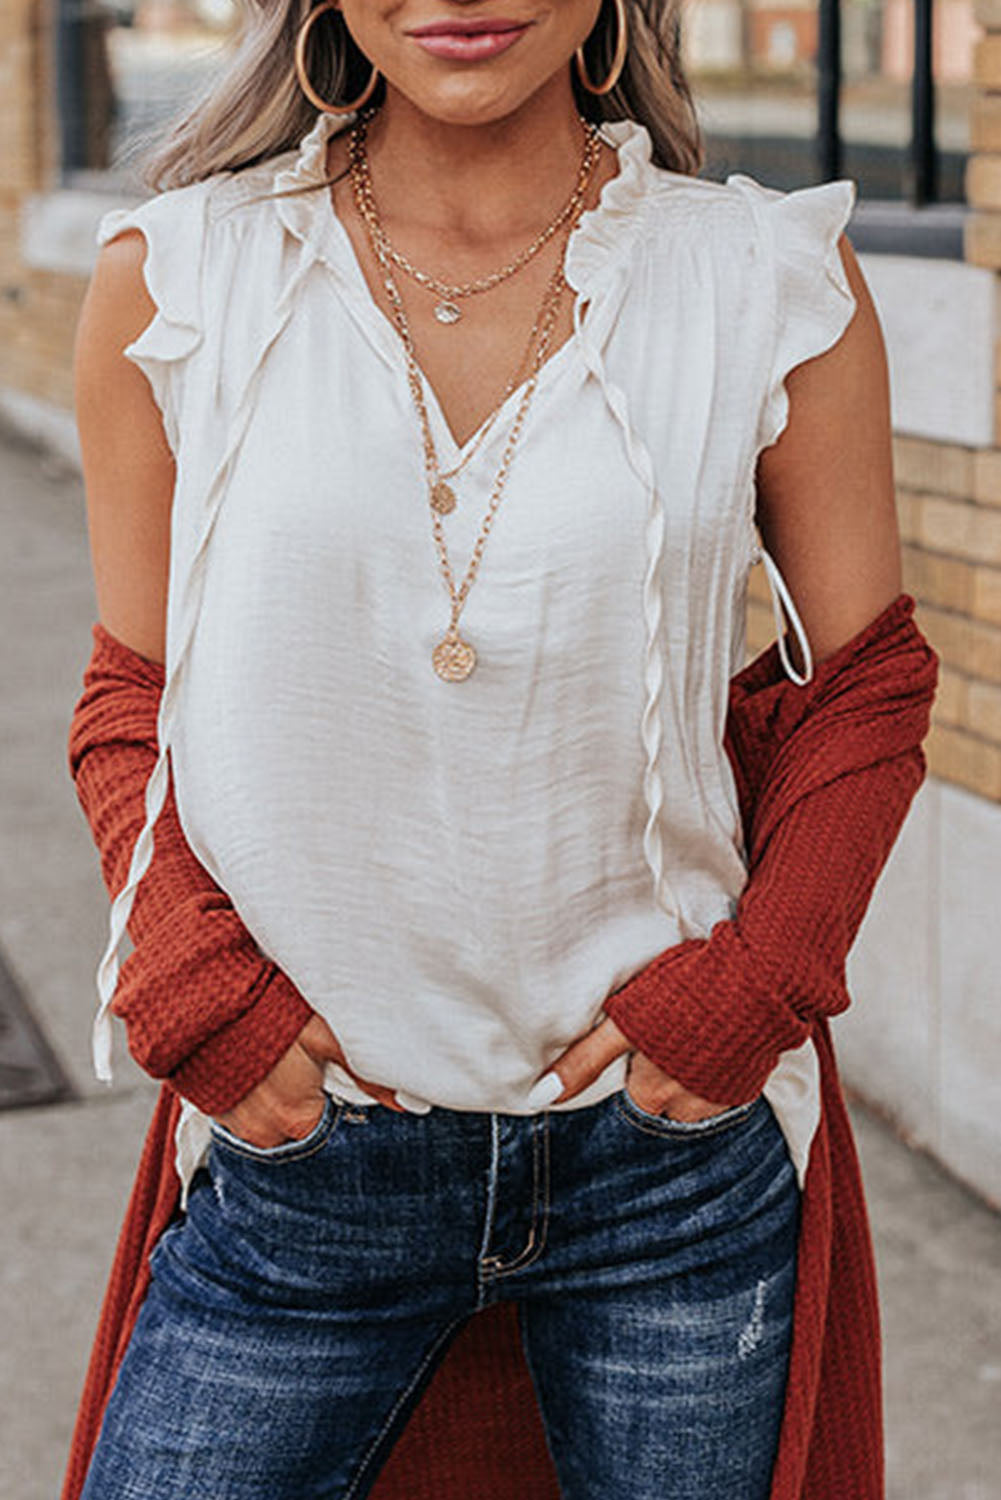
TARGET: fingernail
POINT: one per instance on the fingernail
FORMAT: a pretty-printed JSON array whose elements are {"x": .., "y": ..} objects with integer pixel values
[
  {"x": 412, "y": 1103},
  {"x": 545, "y": 1092}
]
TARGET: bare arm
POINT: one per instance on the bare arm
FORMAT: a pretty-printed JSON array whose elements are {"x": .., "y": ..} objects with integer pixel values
[
  {"x": 128, "y": 466},
  {"x": 826, "y": 506}
]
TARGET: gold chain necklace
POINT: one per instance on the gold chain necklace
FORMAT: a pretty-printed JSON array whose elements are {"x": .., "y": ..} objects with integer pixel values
[
  {"x": 453, "y": 657},
  {"x": 440, "y": 493},
  {"x": 447, "y": 310}
]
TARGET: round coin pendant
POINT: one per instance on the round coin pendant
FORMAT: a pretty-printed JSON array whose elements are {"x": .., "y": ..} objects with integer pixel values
[
  {"x": 453, "y": 659},
  {"x": 442, "y": 498},
  {"x": 447, "y": 312}
]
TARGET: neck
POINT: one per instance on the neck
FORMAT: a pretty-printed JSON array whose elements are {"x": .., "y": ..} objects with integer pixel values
[{"x": 471, "y": 179}]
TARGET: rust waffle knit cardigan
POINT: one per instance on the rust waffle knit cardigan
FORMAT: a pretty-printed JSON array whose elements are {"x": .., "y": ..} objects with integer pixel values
[{"x": 825, "y": 775}]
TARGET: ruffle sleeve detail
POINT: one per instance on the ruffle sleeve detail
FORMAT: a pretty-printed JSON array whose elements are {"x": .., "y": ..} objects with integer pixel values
[
  {"x": 601, "y": 240},
  {"x": 173, "y": 226},
  {"x": 814, "y": 302}
]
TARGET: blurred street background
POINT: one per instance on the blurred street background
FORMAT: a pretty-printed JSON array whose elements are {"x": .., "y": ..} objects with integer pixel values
[
  {"x": 755, "y": 65},
  {"x": 902, "y": 96}
]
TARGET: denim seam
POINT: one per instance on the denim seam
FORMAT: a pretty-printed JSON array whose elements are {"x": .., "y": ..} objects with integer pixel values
[
  {"x": 491, "y": 1208},
  {"x": 534, "y": 1375},
  {"x": 635, "y": 1118},
  {"x": 373, "y": 1449},
  {"x": 232, "y": 1143},
  {"x": 532, "y": 1248}
]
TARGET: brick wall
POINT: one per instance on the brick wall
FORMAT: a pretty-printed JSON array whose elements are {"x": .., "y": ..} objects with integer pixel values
[
  {"x": 38, "y": 309},
  {"x": 949, "y": 509}
]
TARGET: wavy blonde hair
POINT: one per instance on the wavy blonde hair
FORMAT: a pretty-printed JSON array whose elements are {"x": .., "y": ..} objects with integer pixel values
[{"x": 256, "y": 109}]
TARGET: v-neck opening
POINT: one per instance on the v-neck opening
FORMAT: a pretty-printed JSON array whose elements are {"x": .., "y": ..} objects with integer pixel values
[
  {"x": 389, "y": 339},
  {"x": 460, "y": 451},
  {"x": 595, "y": 249}
]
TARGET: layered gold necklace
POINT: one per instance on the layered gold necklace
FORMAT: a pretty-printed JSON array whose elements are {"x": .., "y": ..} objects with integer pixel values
[
  {"x": 454, "y": 657},
  {"x": 447, "y": 310}
]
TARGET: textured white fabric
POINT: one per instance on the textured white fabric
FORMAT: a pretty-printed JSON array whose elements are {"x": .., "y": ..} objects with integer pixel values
[{"x": 457, "y": 876}]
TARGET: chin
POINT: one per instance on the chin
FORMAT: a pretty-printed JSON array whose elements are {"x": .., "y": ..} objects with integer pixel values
[{"x": 469, "y": 99}]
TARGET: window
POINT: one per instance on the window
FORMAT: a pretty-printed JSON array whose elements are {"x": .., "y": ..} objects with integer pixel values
[
  {"x": 124, "y": 68},
  {"x": 798, "y": 91}
]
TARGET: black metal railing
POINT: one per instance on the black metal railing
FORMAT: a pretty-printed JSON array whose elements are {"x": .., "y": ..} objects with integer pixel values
[
  {"x": 829, "y": 89},
  {"x": 920, "y": 176},
  {"x": 923, "y": 184}
]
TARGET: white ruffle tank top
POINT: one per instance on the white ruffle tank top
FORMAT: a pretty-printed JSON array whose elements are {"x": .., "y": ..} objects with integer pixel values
[{"x": 456, "y": 876}]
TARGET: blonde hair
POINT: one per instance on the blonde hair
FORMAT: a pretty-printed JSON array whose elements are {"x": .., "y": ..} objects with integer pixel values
[{"x": 256, "y": 110}]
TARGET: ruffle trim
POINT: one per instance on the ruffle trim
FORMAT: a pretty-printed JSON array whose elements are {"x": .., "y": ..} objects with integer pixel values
[
  {"x": 814, "y": 301},
  {"x": 604, "y": 234},
  {"x": 172, "y": 273},
  {"x": 303, "y": 214}
]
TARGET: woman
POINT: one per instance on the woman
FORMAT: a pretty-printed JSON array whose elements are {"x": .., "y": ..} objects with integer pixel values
[{"x": 425, "y": 446}]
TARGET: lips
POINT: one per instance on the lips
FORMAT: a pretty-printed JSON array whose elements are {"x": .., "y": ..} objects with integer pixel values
[
  {"x": 459, "y": 27},
  {"x": 468, "y": 40}
]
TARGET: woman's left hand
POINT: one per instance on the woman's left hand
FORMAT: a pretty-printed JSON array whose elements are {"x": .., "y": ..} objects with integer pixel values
[{"x": 651, "y": 1088}]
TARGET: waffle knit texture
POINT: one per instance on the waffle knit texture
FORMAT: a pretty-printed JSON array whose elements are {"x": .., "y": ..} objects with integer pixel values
[
  {"x": 825, "y": 775},
  {"x": 716, "y": 1012}
]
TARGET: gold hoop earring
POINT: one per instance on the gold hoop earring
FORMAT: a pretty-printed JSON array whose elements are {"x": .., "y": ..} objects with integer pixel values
[
  {"x": 301, "y": 43},
  {"x": 618, "y": 61}
]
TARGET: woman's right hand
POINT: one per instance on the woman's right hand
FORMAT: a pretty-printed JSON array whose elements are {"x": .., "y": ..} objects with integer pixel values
[{"x": 288, "y": 1103}]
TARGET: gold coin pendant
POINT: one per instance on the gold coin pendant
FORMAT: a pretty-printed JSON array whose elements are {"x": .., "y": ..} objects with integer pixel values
[
  {"x": 453, "y": 659},
  {"x": 442, "y": 498}
]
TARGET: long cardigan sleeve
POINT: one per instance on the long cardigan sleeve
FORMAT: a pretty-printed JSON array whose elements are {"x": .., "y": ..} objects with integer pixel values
[
  {"x": 203, "y": 1008},
  {"x": 826, "y": 775}
]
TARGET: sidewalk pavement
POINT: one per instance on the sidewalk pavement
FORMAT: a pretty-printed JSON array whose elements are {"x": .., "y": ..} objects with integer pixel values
[{"x": 65, "y": 1170}]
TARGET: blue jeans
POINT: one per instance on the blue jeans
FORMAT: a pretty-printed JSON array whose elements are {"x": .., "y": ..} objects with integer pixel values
[{"x": 298, "y": 1310}]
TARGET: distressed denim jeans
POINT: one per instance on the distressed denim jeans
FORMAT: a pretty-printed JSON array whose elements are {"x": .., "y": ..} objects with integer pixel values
[{"x": 299, "y": 1308}]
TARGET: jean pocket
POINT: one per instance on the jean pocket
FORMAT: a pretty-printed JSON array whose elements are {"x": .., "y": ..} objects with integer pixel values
[
  {"x": 644, "y": 1119},
  {"x": 288, "y": 1151}
]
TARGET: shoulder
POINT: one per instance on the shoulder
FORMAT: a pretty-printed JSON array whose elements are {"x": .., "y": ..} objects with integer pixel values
[
  {"x": 185, "y": 216},
  {"x": 778, "y": 224},
  {"x": 162, "y": 213},
  {"x": 700, "y": 250},
  {"x": 135, "y": 244},
  {"x": 716, "y": 211},
  {"x": 709, "y": 236},
  {"x": 157, "y": 255}
]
